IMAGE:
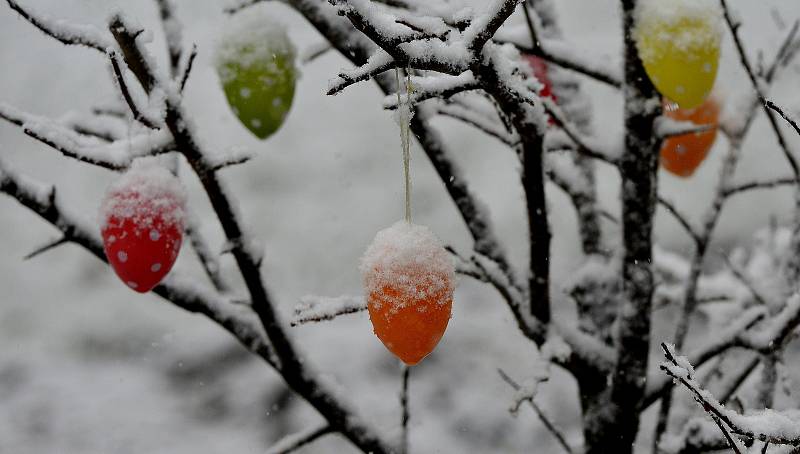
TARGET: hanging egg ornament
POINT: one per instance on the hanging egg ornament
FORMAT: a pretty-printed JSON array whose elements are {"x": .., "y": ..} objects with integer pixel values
[
  {"x": 682, "y": 155},
  {"x": 679, "y": 44},
  {"x": 255, "y": 61},
  {"x": 409, "y": 281},
  {"x": 539, "y": 68},
  {"x": 142, "y": 224}
]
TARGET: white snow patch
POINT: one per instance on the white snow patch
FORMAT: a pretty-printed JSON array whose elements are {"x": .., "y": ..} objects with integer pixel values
[
  {"x": 403, "y": 256},
  {"x": 146, "y": 191}
]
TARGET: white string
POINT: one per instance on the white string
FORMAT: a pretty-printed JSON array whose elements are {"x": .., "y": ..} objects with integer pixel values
[{"x": 404, "y": 115}]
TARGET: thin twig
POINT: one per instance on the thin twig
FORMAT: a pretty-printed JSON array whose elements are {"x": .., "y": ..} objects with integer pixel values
[
  {"x": 123, "y": 88},
  {"x": 744, "y": 280},
  {"x": 783, "y": 115},
  {"x": 405, "y": 413},
  {"x": 189, "y": 65},
  {"x": 65, "y": 33},
  {"x": 682, "y": 220},
  {"x": 293, "y": 442},
  {"x": 46, "y": 247},
  {"x": 734, "y": 28},
  {"x": 562, "y": 441}
]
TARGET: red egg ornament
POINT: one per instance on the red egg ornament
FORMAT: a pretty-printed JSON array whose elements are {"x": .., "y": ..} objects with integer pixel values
[
  {"x": 409, "y": 281},
  {"x": 539, "y": 68},
  {"x": 142, "y": 224}
]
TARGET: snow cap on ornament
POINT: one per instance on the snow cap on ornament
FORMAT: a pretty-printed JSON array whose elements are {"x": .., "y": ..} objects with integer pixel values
[
  {"x": 679, "y": 44},
  {"x": 142, "y": 220},
  {"x": 409, "y": 279}
]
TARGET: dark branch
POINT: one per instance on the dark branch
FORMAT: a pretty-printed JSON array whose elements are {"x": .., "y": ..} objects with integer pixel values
[
  {"x": 64, "y": 33},
  {"x": 792, "y": 122},
  {"x": 562, "y": 441},
  {"x": 405, "y": 413},
  {"x": 293, "y": 442},
  {"x": 189, "y": 65},
  {"x": 46, "y": 247},
  {"x": 126, "y": 94}
]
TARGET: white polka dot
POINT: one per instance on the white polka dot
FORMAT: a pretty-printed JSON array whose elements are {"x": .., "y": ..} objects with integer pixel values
[
  {"x": 154, "y": 235},
  {"x": 277, "y": 102},
  {"x": 132, "y": 284},
  {"x": 706, "y": 67},
  {"x": 155, "y": 267},
  {"x": 112, "y": 238},
  {"x": 255, "y": 122},
  {"x": 680, "y": 90},
  {"x": 244, "y": 93},
  {"x": 681, "y": 149},
  {"x": 122, "y": 256}
]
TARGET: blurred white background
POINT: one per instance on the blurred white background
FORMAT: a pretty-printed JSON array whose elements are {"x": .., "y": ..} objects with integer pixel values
[{"x": 87, "y": 366}]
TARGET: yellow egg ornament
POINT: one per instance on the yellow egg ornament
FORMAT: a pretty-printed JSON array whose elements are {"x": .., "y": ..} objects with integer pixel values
[{"x": 679, "y": 44}]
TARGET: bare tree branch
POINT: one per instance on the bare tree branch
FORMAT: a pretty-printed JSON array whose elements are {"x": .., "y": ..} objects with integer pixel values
[
  {"x": 340, "y": 418},
  {"x": 317, "y": 309},
  {"x": 69, "y": 34},
  {"x": 293, "y": 442},
  {"x": 52, "y": 244},
  {"x": 189, "y": 65},
  {"x": 123, "y": 88},
  {"x": 113, "y": 156},
  {"x": 562, "y": 441},
  {"x": 405, "y": 413}
]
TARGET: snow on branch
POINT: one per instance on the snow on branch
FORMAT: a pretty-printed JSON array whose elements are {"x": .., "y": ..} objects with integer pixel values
[
  {"x": 585, "y": 145},
  {"x": 698, "y": 435},
  {"x": 760, "y": 89},
  {"x": 484, "y": 26},
  {"x": 187, "y": 69},
  {"x": 119, "y": 78},
  {"x": 775, "y": 427},
  {"x": 668, "y": 127},
  {"x": 771, "y": 334},
  {"x": 468, "y": 115},
  {"x": 407, "y": 47},
  {"x": 104, "y": 127},
  {"x": 376, "y": 64},
  {"x": 791, "y": 121},
  {"x": 116, "y": 155},
  {"x": 380, "y": 22},
  {"x": 63, "y": 31},
  {"x": 313, "y": 308},
  {"x": 565, "y": 55},
  {"x": 722, "y": 341},
  {"x": 525, "y": 393},
  {"x": 438, "y": 86}
]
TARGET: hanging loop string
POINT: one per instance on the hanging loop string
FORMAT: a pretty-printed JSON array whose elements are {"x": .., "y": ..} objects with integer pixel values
[{"x": 404, "y": 116}]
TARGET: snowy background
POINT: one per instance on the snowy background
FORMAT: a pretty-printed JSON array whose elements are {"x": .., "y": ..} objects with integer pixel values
[{"x": 87, "y": 366}]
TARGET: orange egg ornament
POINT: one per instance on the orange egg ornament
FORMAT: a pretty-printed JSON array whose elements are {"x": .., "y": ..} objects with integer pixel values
[
  {"x": 682, "y": 155},
  {"x": 409, "y": 281}
]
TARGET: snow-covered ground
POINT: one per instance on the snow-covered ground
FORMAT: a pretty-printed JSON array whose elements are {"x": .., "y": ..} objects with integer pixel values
[{"x": 87, "y": 366}]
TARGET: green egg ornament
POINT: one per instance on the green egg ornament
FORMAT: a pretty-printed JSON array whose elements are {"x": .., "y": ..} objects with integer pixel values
[{"x": 255, "y": 61}]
